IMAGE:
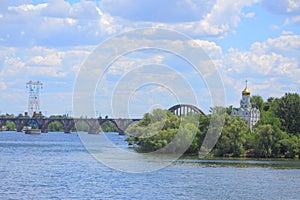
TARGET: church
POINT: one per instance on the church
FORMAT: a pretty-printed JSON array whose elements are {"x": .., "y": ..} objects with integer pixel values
[{"x": 251, "y": 115}]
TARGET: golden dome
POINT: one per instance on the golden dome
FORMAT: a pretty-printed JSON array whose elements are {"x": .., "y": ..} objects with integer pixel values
[{"x": 246, "y": 91}]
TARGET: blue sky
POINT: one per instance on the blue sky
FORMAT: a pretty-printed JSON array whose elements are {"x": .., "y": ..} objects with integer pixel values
[{"x": 258, "y": 40}]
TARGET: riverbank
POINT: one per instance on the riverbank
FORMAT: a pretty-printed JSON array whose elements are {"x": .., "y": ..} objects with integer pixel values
[{"x": 279, "y": 163}]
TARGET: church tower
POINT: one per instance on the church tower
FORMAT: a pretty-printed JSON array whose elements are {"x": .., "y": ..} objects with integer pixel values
[
  {"x": 251, "y": 115},
  {"x": 245, "y": 102}
]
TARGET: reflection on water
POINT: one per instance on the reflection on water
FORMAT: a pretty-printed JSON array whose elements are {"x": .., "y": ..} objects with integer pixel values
[
  {"x": 57, "y": 166},
  {"x": 272, "y": 163},
  {"x": 115, "y": 154}
]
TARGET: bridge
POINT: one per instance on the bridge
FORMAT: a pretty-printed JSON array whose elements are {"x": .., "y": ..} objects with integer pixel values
[{"x": 93, "y": 124}]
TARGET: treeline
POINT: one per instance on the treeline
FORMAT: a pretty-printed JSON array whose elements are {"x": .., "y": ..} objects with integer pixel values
[{"x": 276, "y": 135}]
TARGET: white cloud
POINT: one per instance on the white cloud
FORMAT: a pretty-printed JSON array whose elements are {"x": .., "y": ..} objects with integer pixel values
[
  {"x": 284, "y": 44},
  {"x": 26, "y": 8},
  {"x": 250, "y": 15},
  {"x": 50, "y": 40},
  {"x": 59, "y": 23},
  {"x": 41, "y": 61},
  {"x": 288, "y": 8},
  {"x": 210, "y": 18},
  {"x": 85, "y": 10},
  {"x": 211, "y": 48},
  {"x": 56, "y": 23},
  {"x": 164, "y": 11},
  {"x": 295, "y": 20},
  {"x": 57, "y": 9},
  {"x": 124, "y": 64},
  {"x": 293, "y": 6},
  {"x": 273, "y": 66},
  {"x": 223, "y": 16},
  {"x": 287, "y": 32}
]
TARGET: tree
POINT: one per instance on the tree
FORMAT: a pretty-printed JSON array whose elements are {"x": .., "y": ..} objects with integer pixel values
[
  {"x": 287, "y": 109},
  {"x": 162, "y": 127},
  {"x": 55, "y": 127},
  {"x": 264, "y": 141},
  {"x": 10, "y": 126},
  {"x": 233, "y": 138},
  {"x": 290, "y": 146},
  {"x": 257, "y": 102},
  {"x": 82, "y": 126},
  {"x": 267, "y": 141},
  {"x": 267, "y": 105},
  {"x": 108, "y": 126}
]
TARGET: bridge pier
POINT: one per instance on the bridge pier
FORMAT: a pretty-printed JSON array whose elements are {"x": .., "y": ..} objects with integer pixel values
[
  {"x": 1, "y": 124},
  {"x": 121, "y": 132},
  {"x": 20, "y": 124},
  {"x": 94, "y": 126},
  {"x": 67, "y": 129},
  {"x": 123, "y": 124},
  {"x": 44, "y": 126},
  {"x": 93, "y": 130},
  {"x": 68, "y": 125}
]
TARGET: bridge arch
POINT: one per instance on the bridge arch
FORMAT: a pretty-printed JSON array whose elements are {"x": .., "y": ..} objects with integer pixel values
[
  {"x": 104, "y": 121},
  {"x": 18, "y": 122},
  {"x": 5, "y": 122},
  {"x": 184, "y": 109},
  {"x": 51, "y": 122}
]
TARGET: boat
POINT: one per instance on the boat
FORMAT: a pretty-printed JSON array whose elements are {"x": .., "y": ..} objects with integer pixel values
[{"x": 30, "y": 130}]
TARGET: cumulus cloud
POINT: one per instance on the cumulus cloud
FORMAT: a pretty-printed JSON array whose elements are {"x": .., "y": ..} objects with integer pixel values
[
  {"x": 41, "y": 61},
  {"x": 201, "y": 18},
  {"x": 250, "y": 15},
  {"x": 52, "y": 39},
  {"x": 57, "y": 9},
  {"x": 211, "y": 48},
  {"x": 272, "y": 65},
  {"x": 283, "y": 45},
  {"x": 289, "y": 8},
  {"x": 167, "y": 11},
  {"x": 57, "y": 23}
]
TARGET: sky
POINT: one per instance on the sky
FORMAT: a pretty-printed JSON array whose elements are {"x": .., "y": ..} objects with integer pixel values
[{"x": 50, "y": 40}]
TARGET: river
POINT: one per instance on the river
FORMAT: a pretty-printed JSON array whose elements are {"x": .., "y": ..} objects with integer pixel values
[{"x": 58, "y": 166}]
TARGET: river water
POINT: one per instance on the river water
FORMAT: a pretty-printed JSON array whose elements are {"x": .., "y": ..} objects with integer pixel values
[{"x": 57, "y": 166}]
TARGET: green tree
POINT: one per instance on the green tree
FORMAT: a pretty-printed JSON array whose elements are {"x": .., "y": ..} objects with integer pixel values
[
  {"x": 162, "y": 127},
  {"x": 108, "y": 126},
  {"x": 233, "y": 138},
  {"x": 82, "y": 126},
  {"x": 266, "y": 142},
  {"x": 290, "y": 146},
  {"x": 55, "y": 127},
  {"x": 257, "y": 102},
  {"x": 267, "y": 105},
  {"x": 287, "y": 109},
  {"x": 10, "y": 126}
]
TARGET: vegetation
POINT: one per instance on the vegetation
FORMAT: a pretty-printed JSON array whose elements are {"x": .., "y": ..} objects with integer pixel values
[
  {"x": 55, "y": 127},
  {"x": 10, "y": 126},
  {"x": 108, "y": 126},
  {"x": 158, "y": 129},
  {"x": 276, "y": 135}
]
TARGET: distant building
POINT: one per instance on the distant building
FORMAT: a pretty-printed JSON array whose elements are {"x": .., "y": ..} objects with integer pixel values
[{"x": 251, "y": 115}]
